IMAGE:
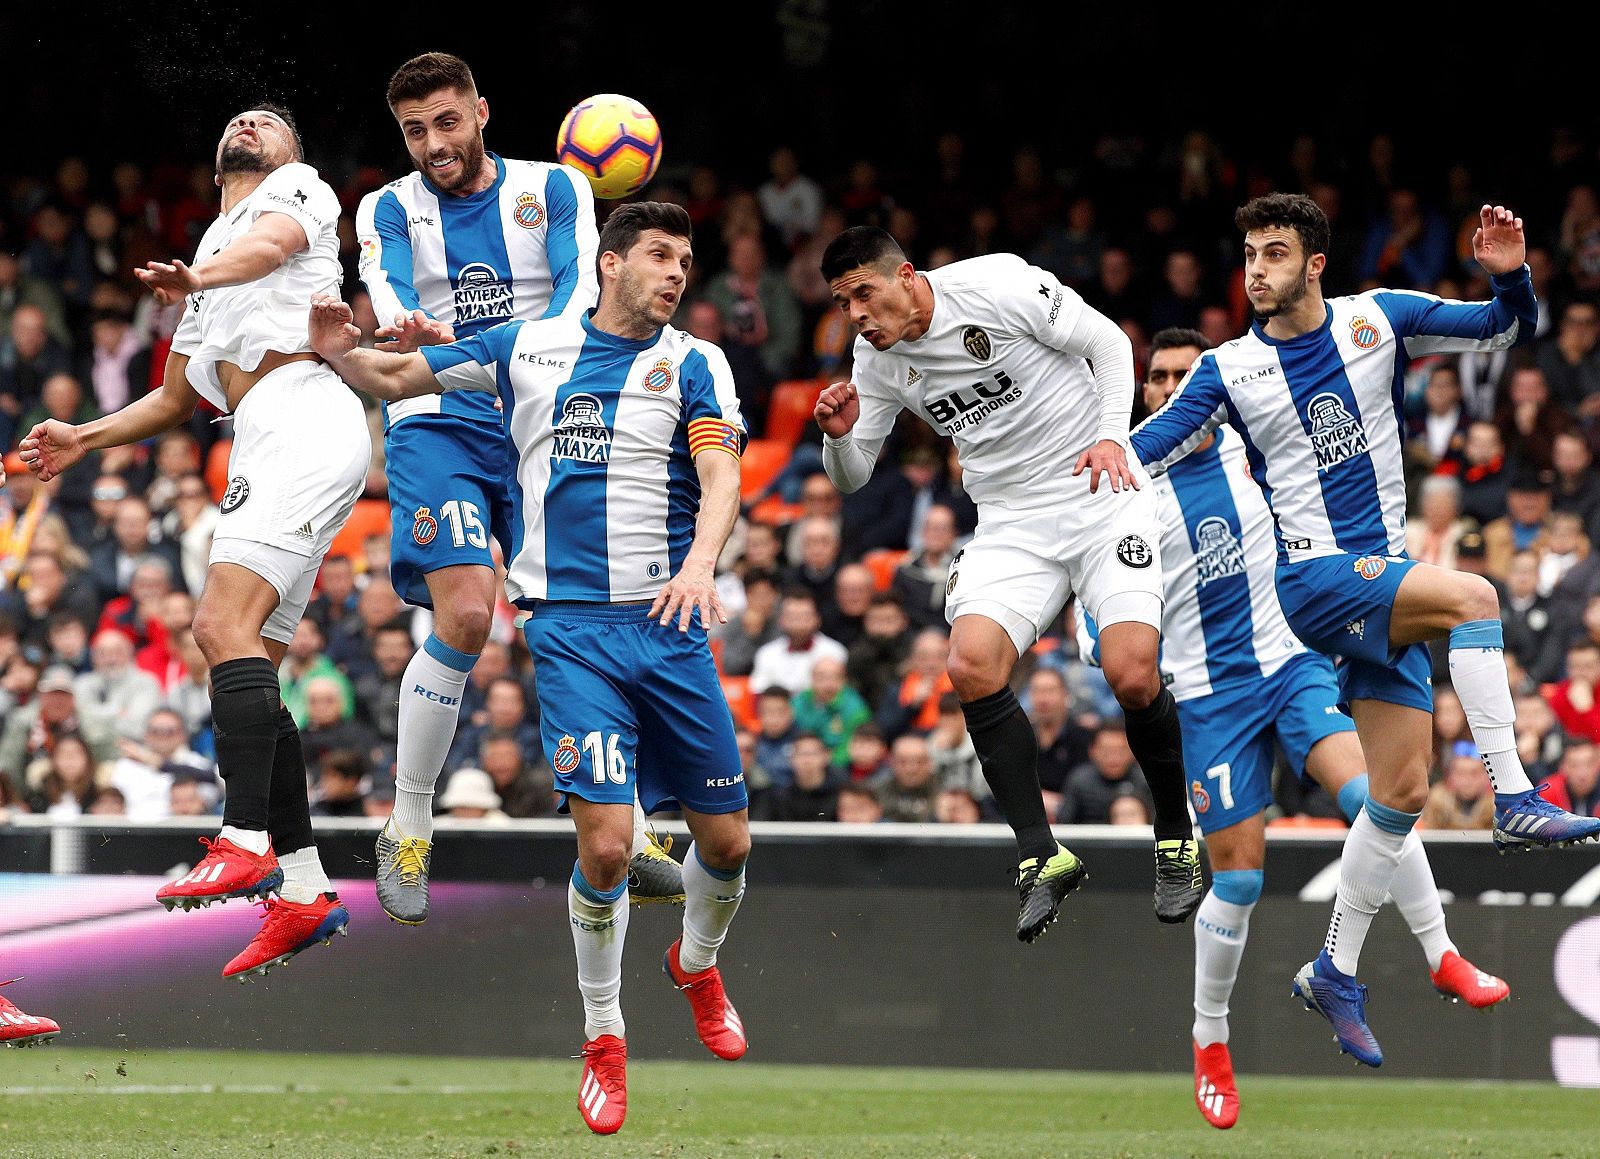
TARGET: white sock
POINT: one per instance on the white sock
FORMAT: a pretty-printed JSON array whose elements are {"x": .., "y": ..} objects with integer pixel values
[
  {"x": 1220, "y": 930},
  {"x": 599, "y": 929},
  {"x": 1417, "y": 897},
  {"x": 639, "y": 841},
  {"x": 303, "y": 876},
  {"x": 709, "y": 903},
  {"x": 1478, "y": 674},
  {"x": 430, "y": 707},
  {"x": 255, "y": 840},
  {"x": 1366, "y": 871}
]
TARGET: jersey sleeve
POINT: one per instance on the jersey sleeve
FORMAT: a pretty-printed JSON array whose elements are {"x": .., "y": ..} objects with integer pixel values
[
  {"x": 186, "y": 337},
  {"x": 1195, "y": 409},
  {"x": 296, "y": 191},
  {"x": 1432, "y": 325},
  {"x": 385, "y": 264},
  {"x": 710, "y": 403},
  {"x": 475, "y": 362},
  {"x": 571, "y": 241},
  {"x": 1035, "y": 302}
]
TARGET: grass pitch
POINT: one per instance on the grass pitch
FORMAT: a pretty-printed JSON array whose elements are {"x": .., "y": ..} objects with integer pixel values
[{"x": 58, "y": 1102}]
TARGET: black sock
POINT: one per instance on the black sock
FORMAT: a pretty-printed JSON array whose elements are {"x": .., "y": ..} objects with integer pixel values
[
  {"x": 244, "y": 717},
  {"x": 1009, "y": 753},
  {"x": 1157, "y": 745},
  {"x": 289, "y": 812}
]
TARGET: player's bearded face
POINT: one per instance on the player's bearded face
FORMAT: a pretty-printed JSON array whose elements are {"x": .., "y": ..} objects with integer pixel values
[
  {"x": 465, "y": 145},
  {"x": 1284, "y": 292},
  {"x": 250, "y": 145}
]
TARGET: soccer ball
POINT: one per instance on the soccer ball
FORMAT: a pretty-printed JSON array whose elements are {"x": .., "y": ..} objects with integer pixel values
[{"x": 612, "y": 140}]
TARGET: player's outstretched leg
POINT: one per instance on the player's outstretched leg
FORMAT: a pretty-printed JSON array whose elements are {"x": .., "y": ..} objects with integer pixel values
[
  {"x": 19, "y": 1029},
  {"x": 430, "y": 707},
  {"x": 307, "y": 910},
  {"x": 712, "y": 898},
  {"x": 654, "y": 876},
  {"x": 1417, "y": 897},
  {"x": 245, "y": 703},
  {"x": 1221, "y": 926},
  {"x": 1523, "y": 819}
]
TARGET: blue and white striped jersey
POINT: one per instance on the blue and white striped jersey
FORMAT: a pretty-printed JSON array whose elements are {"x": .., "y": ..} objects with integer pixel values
[
  {"x": 606, "y": 430},
  {"x": 523, "y": 248},
  {"x": 1320, "y": 413},
  {"x": 1221, "y": 627}
]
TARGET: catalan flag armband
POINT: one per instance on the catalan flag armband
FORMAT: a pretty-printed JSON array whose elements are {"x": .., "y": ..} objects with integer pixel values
[{"x": 707, "y": 433}]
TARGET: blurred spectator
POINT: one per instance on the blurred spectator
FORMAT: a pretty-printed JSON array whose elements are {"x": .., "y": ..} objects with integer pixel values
[
  {"x": 526, "y": 789},
  {"x": 190, "y": 797},
  {"x": 505, "y": 714},
  {"x": 1538, "y": 737},
  {"x": 177, "y": 454},
  {"x": 922, "y": 580},
  {"x": 1063, "y": 743},
  {"x": 1522, "y": 528},
  {"x": 60, "y": 255},
  {"x": 1565, "y": 546},
  {"x": 161, "y": 657},
  {"x": 857, "y": 803},
  {"x": 19, "y": 288},
  {"x": 755, "y": 625},
  {"x": 94, "y": 527},
  {"x": 787, "y": 660},
  {"x": 107, "y": 802},
  {"x": 469, "y": 796},
  {"x": 1432, "y": 537},
  {"x": 775, "y": 733},
  {"x": 32, "y": 730},
  {"x": 845, "y": 617},
  {"x": 1449, "y": 723},
  {"x": 1570, "y": 359},
  {"x": 874, "y": 661},
  {"x": 1440, "y": 431},
  {"x": 955, "y": 761},
  {"x": 751, "y": 380},
  {"x": 908, "y": 788},
  {"x": 1573, "y": 699},
  {"x": 757, "y": 781},
  {"x": 493, "y": 662},
  {"x": 1483, "y": 474},
  {"x": 350, "y": 644},
  {"x": 335, "y": 595},
  {"x": 811, "y": 794},
  {"x": 1575, "y": 486},
  {"x": 1109, "y": 773},
  {"x": 791, "y": 201},
  {"x": 28, "y": 356},
  {"x": 40, "y": 593},
  {"x": 830, "y": 708},
  {"x": 135, "y": 534},
  {"x": 868, "y": 753},
  {"x": 303, "y": 662},
  {"x": 890, "y": 508},
  {"x": 1129, "y": 809},
  {"x": 1529, "y": 421},
  {"x": 137, "y": 615},
  {"x": 819, "y": 498},
  {"x": 341, "y": 776},
  {"x": 115, "y": 689},
  {"x": 63, "y": 781},
  {"x": 913, "y": 705},
  {"x": 145, "y": 771},
  {"x": 956, "y": 807},
  {"x": 1181, "y": 294},
  {"x": 1410, "y": 247},
  {"x": 191, "y": 695},
  {"x": 758, "y": 307},
  {"x": 1070, "y": 246},
  {"x": 69, "y": 642},
  {"x": 1575, "y": 786},
  {"x": 819, "y": 561},
  {"x": 1464, "y": 797},
  {"x": 330, "y": 728},
  {"x": 117, "y": 367},
  {"x": 378, "y": 803},
  {"x": 1525, "y": 619},
  {"x": 62, "y": 398},
  {"x": 377, "y": 693},
  {"x": 1469, "y": 552}
]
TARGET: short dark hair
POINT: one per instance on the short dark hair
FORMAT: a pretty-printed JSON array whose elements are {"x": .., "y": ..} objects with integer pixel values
[
  {"x": 1174, "y": 337},
  {"x": 287, "y": 118},
  {"x": 424, "y": 75},
  {"x": 626, "y": 222},
  {"x": 861, "y": 245},
  {"x": 1293, "y": 211},
  {"x": 775, "y": 692},
  {"x": 763, "y": 575}
]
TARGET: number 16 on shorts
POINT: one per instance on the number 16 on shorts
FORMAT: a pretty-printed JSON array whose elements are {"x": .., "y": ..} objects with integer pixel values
[{"x": 599, "y": 758}]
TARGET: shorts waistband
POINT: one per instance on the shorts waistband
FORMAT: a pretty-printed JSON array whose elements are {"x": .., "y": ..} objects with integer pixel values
[{"x": 633, "y": 612}]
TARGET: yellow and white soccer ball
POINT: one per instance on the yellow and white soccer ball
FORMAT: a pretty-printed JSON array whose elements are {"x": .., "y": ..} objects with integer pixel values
[{"x": 614, "y": 141}]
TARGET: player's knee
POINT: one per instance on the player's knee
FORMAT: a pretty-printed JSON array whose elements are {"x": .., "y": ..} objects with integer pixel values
[
  {"x": 724, "y": 851},
  {"x": 1477, "y": 600},
  {"x": 464, "y": 625},
  {"x": 975, "y": 676},
  {"x": 604, "y": 858},
  {"x": 219, "y": 637},
  {"x": 1135, "y": 684}
]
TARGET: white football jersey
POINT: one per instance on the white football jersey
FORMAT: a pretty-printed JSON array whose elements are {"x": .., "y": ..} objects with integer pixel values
[
  {"x": 239, "y": 324},
  {"x": 997, "y": 372}
]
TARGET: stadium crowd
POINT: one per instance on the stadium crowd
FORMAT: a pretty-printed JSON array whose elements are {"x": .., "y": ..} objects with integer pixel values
[{"x": 833, "y": 658}]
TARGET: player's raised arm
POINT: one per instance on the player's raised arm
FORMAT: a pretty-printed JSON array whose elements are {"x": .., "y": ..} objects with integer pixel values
[
  {"x": 1195, "y": 409},
  {"x": 847, "y": 460},
  {"x": 271, "y": 241},
  {"x": 390, "y": 377}
]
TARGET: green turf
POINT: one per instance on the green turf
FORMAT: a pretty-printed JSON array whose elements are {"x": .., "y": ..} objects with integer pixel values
[{"x": 58, "y": 1102}]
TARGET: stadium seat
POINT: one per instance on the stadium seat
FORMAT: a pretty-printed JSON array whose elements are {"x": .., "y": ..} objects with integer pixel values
[
  {"x": 882, "y": 562},
  {"x": 760, "y": 464},
  {"x": 370, "y": 517},
  {"x": 740, "y": 700},
  {"x": 217, "y": 468},
  {"x": 789, "y": 409},
  {"x": 774, "y": 512}
]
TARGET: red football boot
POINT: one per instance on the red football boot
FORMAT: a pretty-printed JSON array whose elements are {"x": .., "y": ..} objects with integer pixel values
[
  {"x": 1460, "y": 981},
  {"x": 1214, "y": 1090},
  {"x": 715, "y": 1020},
  {"x": 19, "y": 1029},
  {"x": 289, "y": 928},
  {"x": 603, "y": 1094},
  {"x": 225, "y": 871}
]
